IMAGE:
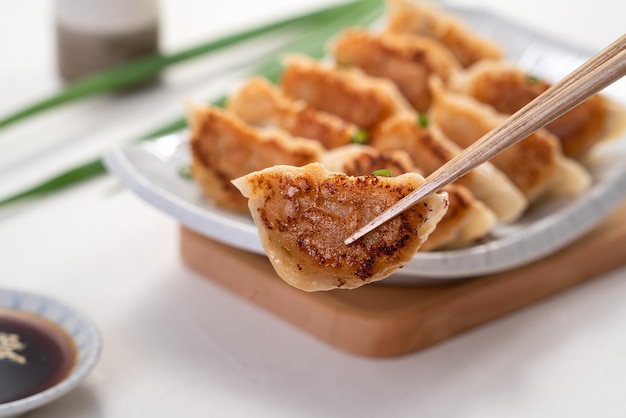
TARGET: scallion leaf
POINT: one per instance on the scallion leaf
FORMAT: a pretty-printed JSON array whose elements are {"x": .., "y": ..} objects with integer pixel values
[
  {"x": 385, "y": 172},
  {"x": 361, "y": 137},
  {"x": 185, "y": 172},
  {"x": 147, "y": 67},
  {"x": 61, "y": 181},
  {"x": 323, "y": 25},
  {"x": 532, "y": 79},
  {"x": 422, "y": 118}
]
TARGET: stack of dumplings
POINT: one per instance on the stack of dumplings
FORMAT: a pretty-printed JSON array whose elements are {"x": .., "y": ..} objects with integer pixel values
[{"x": 333, "y": 143}]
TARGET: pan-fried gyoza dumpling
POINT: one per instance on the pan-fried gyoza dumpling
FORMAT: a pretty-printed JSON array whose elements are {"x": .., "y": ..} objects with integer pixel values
[
  {"x": 408, "y": 61},
  {"x": 429, "y": 149},
  {"x": 508, "y": 88},
  {"x": 536, "y": 165},
  {"x": 224, "y": 148},
  {"x": 260, "y": 103},
  {"x": 466, "y": 219},
  {"x": 304, "y": 214},
  {"x": 421, "y": 18},
  {"x": 361, "y": 160},
  {"x": 348, "y": 93}
]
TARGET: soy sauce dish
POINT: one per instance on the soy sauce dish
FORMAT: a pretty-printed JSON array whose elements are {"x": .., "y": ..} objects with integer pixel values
[{"x": 46, "y": 350}]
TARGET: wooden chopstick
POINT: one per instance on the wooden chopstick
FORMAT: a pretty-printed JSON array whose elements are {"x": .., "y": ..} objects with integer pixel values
[{"x": 600, "y": 71}]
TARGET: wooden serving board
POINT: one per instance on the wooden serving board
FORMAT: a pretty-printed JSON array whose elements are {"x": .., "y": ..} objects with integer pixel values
[{"x": 381, "y": 320}]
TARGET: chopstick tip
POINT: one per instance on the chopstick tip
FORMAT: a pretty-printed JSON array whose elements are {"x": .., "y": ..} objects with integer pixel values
[{"x": 351, "y": 239}]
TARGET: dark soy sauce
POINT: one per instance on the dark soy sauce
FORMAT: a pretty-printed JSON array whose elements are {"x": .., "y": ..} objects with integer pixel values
[{"x": 35, "y": 354}]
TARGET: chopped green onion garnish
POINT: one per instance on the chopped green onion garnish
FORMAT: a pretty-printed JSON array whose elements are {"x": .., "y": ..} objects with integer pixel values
[
  {"x": 422, "y": 118},
  {"x": 383, "y": 172},
  {"x": 185, "y": 172},
  {"x": 361, "y": 137},
  {"x": 531, "y": 79}
]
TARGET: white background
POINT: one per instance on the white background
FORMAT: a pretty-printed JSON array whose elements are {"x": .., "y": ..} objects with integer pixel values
[{"x": 178, "y": 345}]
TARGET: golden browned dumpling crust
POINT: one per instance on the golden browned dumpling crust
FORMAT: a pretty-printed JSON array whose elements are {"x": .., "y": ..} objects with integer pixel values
[
  {"x": 531, "y": 164},
  {"x": 262, "y": 104},
  {"x": 421, "y": 18},
  {"x": 361, "y": 160},
  {"x": 429, "y": 149},
  {"x": 466, "y": 219},
  {"x": 408, "y": 61},
  {"x": 224, "y": 148},
  {"x": 348, "y": 93},
  {"x": 508, "y": 89},
  {"x": 427, "y": 145},
  {"x": 304, "y": 214}
]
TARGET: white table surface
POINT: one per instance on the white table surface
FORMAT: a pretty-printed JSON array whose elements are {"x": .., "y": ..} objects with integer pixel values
[{"x": 175, "y": 344}]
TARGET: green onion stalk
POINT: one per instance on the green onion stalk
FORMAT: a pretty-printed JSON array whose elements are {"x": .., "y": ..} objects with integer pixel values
[
  {"x": 315, "y": 29},
  {"x": 149, "y": 66}
]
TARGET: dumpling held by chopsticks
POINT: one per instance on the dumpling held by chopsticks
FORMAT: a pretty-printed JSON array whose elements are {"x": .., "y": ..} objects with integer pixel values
[{"x": 304, "y": 214}]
